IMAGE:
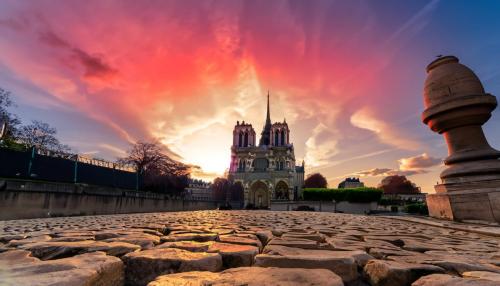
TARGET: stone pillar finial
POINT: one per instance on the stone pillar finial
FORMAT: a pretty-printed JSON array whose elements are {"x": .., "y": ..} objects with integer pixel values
[{"x": 456, "y": 107}]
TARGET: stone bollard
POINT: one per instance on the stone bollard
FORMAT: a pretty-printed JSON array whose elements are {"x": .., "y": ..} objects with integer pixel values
[{"x": 457, "y": 106}]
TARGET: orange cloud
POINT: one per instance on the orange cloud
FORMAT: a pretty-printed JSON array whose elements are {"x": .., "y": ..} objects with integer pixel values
[
  {"x": 186, "y": 71},
  {"x": 418, "y": 162},
  {"x": 387, "y": 133}
]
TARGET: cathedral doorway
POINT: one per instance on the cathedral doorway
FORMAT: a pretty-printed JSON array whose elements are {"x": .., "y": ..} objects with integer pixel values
[
  {"x": 259, "y": 195},
  {"x": 281, "y": 191}
]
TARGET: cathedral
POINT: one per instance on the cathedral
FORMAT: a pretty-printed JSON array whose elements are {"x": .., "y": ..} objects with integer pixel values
[{"x": 267, "y": 171}]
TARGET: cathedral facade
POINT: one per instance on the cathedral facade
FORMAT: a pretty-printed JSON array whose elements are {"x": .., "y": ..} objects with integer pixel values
[{"x": 266, "y": 170}]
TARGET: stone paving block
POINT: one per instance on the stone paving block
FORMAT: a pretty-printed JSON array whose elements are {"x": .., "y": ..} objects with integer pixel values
[
  {"x": 53, "y": 250},
  {"x": 393, "y": 273},
  {"x": 382, "y": 253},
  {"x": 449, "y": 280},
  {"x": 144, "y": 266},
  {"x": 234, "y": 255},
  {"x": 252, "y": 276},
  {"x": 361, "y": 257},
  {"x": 200, "y": 237},
  {"x": 341, "y": 264},
  {"x": 309, "y": 236},
  {"x": 492, "y": 276},
  {"x": 245, "y": 240},
  {"x": 39, "y": 238},
  {"x": 300, "y": 243},
  {"x": 18, "y": 268},
  {"x": 452, "y": 263},
  {"x": 144, "y": 240},
  {"x": 8, "y": 237},
  {"x": 192, "y": 246}
]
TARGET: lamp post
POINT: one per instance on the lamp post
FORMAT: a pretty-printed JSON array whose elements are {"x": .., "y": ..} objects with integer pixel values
[{"x": 75, "y": 170}]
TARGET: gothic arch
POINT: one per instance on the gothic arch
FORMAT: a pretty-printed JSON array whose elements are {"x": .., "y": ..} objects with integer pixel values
[
  {"x": 259, "y": 194},
  {"x": 281, "y": 191}
]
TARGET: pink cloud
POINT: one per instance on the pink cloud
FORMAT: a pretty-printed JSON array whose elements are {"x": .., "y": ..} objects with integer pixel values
[{"x": 185, "y": 71}]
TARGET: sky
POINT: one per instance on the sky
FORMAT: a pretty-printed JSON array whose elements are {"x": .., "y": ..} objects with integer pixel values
[{"x": 347, "y": 76}]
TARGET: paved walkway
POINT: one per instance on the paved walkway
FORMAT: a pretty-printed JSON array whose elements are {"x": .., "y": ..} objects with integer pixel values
[{"x": 247, "y": 248}]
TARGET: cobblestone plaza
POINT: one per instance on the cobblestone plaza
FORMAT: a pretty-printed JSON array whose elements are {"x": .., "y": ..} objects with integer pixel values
[{"x": 246, "y": 248}]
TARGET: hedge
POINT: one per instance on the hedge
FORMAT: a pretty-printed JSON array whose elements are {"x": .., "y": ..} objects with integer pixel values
[{"x": 357, "y": 195}]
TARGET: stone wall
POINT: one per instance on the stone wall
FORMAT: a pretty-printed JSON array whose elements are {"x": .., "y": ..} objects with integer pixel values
[
  {"x": 21, "y": 200},
  {"x": 344, "y": 207}
]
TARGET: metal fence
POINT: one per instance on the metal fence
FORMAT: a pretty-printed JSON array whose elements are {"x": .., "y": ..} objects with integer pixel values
[{"x": 67, "y": 168}]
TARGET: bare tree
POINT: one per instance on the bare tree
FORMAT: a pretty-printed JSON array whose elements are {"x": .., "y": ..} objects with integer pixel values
[
  {"x": 237, "y": 191},
  {"x": 9, "y": 121},
  {"x": 220, "y": 189},
  {"x": 150, "y": 157},
  {"x": 42, "y": 136},
  {"x": 160, "y": 173}
]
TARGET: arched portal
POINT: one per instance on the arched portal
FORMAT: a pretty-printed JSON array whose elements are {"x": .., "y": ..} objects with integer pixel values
[
  {"x": 259, "y": 195},
  {"x": 281, "y": 191}
]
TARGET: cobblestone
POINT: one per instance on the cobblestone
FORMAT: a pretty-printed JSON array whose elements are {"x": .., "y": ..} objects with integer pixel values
[{"x": 260, "y": 247}]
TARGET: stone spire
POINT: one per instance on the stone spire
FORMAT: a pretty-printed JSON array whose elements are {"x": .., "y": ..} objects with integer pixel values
[
  {"x": 265, "y": 138},
  {"x": 268, "y": 118}
]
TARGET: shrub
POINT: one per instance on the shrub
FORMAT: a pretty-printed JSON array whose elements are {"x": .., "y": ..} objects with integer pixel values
[
  {"x": 225, "y": 207},
  {"x": 304, "y": 208},
  {"x": 254, "y": 207},
  {"x": 357, "y": 195},
  {"x": 250, "y": 207},
  {"x": 418, "y": 208},
  {"x": 388, "y": 202}
]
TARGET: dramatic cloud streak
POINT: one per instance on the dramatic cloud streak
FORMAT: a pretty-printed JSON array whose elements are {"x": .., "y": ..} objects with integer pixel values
[{"x": 387, "y": 133}]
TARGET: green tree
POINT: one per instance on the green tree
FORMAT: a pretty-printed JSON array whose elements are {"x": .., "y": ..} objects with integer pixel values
[
  {"x": 398, "y": 185},
  {"x": 315, "y": 180}
]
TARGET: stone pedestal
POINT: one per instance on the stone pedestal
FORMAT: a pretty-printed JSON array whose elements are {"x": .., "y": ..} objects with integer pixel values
[
  {"x": 470, "y": 203},
  {"x": 456, "y": 107}
]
